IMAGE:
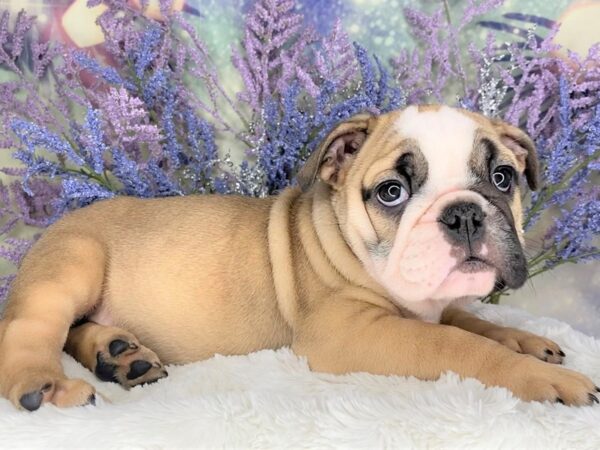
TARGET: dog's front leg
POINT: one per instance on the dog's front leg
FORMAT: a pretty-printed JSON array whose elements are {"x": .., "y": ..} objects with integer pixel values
[
  {"x": 517, "y": 340},
  {"x": 344, "y": 335}
]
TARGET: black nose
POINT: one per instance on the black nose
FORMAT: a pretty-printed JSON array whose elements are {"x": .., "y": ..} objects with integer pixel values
[{"x": 463, "y": 222}]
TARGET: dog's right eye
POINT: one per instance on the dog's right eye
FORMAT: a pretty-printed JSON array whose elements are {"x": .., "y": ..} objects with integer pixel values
[
  {"x": 502, "y": 178},
  {"x": 391, "y": 193}
]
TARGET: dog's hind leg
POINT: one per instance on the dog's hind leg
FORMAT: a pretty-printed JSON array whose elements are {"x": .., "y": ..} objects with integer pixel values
[
  {"x": 59, "y": 280},
  {"x": 114, "y": 354}
]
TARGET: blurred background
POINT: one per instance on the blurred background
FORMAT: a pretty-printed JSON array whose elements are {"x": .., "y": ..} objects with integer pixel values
[{"x": 570, "y": 293}]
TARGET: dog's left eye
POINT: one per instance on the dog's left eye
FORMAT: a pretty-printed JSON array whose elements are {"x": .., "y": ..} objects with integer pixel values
[
  {"x": 502, "y": 177},
  {"x": 392, "y": 193}
]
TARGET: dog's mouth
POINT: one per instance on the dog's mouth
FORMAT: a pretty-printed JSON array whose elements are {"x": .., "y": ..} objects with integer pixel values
[{"x": 474, "y": 264}]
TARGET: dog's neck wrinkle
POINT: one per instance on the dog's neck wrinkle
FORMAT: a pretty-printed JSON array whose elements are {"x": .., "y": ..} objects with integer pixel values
[
  {"x": 336, "y": 250},
  {"x": 317, "y": 257},
  {"x": 340, "y": 255},
  {"x": 304, "y": 234},
  {"x": 280, "y": 254}
]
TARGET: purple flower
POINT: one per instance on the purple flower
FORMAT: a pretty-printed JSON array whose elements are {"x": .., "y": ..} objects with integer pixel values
[
  {"x": 172, "y": 148},
  {"x": 575, "y": 229},
  {"x": 108, "y": 74},
  {"x": 162, "y": 184},
  {"x": 147, "y": 52},
  {"x": 435, "y": 65},
  {"x": 34, "y": 136},
  {"x": 204, "y": 158},
  {"x": 78, "y": 192},
  {"x": 560, "y": 157},
  {"x": 92, "y": 140},
  {"x": 336, "y": 60},
  {"x": 8, "y": 216},
  {"x": 38, "y": 205},
  {"x": 129, "y": 122},
  {"x": 11, "y": 44},
  {"x": 129, "y": 173},
  {"x": 154, "y": 87},
  {"x": 5, "y": 283},
  {"x": 285, "y": 137},
  {"x": 274, "y": 48},
  {"x": 13, "y": 249}
]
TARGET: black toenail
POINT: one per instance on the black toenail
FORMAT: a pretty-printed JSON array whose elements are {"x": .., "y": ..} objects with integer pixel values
[
  {"x": 593, "y": 398},
  {"x": 560, "y": 400},
  {"x": 597, "y": 388},
  {"x": 105, "y": 371},
  {"x": 92, "y": 400},
  {"x": 117, "y": 347},
  {"x": 46, "y": 387},
  {"x": 31, "y": 401},
  {"x": 549, "y": 352},
  {"x": 561, "y": 353},
  {"x": 138, "y": 368}
]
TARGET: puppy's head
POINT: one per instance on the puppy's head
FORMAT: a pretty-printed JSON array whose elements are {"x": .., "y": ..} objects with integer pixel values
[{"x": 428, "y": 198}]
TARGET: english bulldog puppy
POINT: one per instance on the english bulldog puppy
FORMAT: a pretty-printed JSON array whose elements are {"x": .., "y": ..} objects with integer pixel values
[{"x": 398, "y": 220}]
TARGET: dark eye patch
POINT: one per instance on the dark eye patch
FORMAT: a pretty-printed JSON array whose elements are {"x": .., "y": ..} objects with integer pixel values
[
  {"x": 491, "y": 152},
  {"x": 485, "y": 158},
  {"x": 488, "y": 191},
  {"x": 366, "y": 194},
  {"x": 405, "y": 166},
  {"x": 413, "y": 167},
  {"x": 482, "y": 158}
]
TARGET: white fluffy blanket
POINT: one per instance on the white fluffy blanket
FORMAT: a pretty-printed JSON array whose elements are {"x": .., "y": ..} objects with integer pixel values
[{"x": 270, "y": 399}]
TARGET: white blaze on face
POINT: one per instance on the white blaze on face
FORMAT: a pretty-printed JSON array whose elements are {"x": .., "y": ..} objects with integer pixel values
[
  {"x": 445, "y": 137},
  {"x": 418, "y": 272}
]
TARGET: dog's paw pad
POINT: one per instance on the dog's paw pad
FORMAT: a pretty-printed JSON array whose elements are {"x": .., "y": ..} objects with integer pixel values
[
  {"x": 118, "y": 346},
  {"x": 34, "y": 399},
  {"x": 138, "y": 368},
  {"x": 104, "y": 370}
]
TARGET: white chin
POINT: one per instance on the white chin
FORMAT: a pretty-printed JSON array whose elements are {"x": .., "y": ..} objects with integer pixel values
[{"x": 467, "y": 280}]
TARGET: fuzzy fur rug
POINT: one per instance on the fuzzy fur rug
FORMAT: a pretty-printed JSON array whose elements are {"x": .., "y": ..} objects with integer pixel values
[{"x": 270, "y": 399}]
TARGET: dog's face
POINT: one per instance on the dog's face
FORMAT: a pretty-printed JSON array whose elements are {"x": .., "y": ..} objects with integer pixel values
[{"x": 428, "y": 198}]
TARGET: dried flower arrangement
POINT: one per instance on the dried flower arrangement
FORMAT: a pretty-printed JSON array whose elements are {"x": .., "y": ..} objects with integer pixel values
[{"x": 144, "y": 122}]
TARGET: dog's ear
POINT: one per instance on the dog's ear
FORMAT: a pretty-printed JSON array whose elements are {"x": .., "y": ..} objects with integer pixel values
[
  {"x": 523, "y": 148},
  {"x": 333, "y": 156}
]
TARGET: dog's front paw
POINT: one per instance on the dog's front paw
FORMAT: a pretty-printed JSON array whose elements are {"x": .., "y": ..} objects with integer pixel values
[
  {"x": 534, "y": 380},
  {"x": 527, "y": 343}
]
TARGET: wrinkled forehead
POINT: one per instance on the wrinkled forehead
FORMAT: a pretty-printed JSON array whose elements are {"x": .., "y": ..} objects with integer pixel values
[{"x": 445, "y": 136}]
